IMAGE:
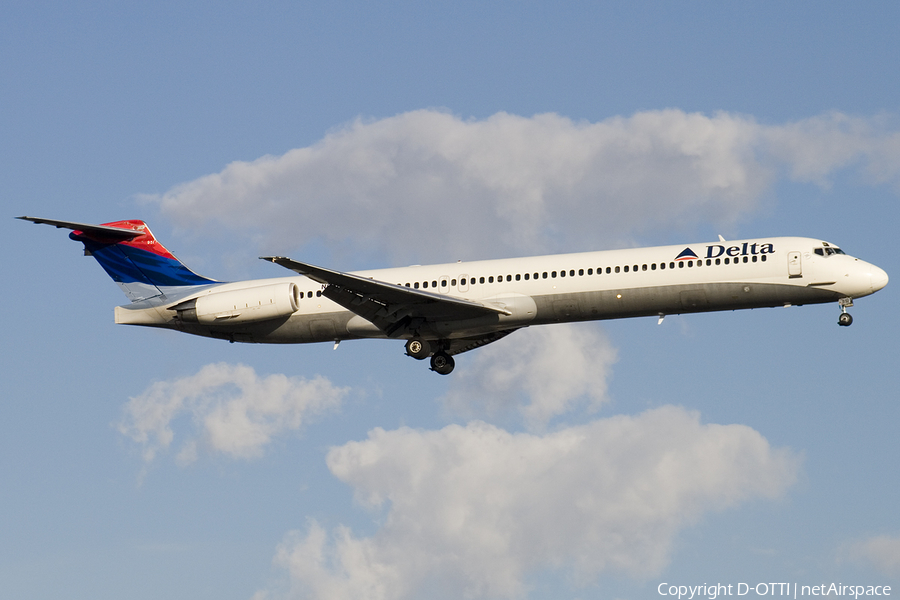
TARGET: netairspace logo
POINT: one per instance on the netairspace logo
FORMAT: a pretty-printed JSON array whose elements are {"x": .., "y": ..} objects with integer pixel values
[{"x": 771, "y": 589}]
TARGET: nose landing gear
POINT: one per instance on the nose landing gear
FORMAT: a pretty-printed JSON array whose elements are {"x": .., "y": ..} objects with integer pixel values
[{"x": 845, "y": 320}]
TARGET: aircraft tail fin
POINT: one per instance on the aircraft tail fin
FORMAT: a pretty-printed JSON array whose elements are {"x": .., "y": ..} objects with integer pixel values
[{"x": 131, "y": 255}]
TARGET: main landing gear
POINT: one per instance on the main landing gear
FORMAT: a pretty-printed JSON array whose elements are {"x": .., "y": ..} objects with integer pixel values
[
  {"x": 845, "y": 320},
  {"x": 418, "y": 348},
  {"x": 441, "y": 362}
]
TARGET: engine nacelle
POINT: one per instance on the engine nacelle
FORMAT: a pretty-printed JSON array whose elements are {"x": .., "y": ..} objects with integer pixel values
[{"x": 247, "y": 305}]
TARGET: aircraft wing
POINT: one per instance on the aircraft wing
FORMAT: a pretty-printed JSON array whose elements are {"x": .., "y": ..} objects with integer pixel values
[
  {"x": 458, "y": 346},
  {"x": 389, "y": 306}
]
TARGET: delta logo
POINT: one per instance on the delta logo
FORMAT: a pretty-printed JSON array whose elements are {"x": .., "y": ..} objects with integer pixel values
[
  {"x": 687, "y": 254},
  {"x": 717, "y": 250},
  {"x": 745, "y": 249}
]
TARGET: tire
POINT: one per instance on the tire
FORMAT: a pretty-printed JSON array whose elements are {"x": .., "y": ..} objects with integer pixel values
[
  {"x": 418, "y": 348},
  {"x": 845, "y": 320},
  {"x": 442, "y": 363}
]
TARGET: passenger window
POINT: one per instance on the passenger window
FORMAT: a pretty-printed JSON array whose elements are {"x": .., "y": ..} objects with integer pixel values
[
  {"x": 591, "y": 272},
  {"x": 491, "y": 279},
  {"x": 662, "y": 266},
  {"x": 453, "y": 282},
  {"x": 443, "y": 283},
  {"x": 746, "y": 259},
  {"x": 526, "y": 276},
  {"x": 481, "y": 280},
  {"x": 545, "y": 275},
  {"x": 518, "y": 277},
  {"x": 580, "y": 272},
  {"x": 319, "y": 294},
  {"x": 607, "y": 269},
  {"x": 754, "y": 258},
  {"x": 763, "y": 258},
  {"x": 643, "y": 267},
  {"x": 571, "y": 272},
  {"x": 626, "y": 268},
  {"x": 424, "y": 284},
  {"x": 416, "y": 285},
  {"x": 681, "y": 265},
  {"x": 727, "y": 261},
  {"x": 509, "y": 277},
  {"x": 708, "y": 262},
  {"x": 718, "y": 261}
]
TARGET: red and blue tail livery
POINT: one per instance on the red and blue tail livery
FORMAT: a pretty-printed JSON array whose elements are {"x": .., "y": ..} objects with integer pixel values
[
  {"x": 132, "y": 256},
  {"x": 447, "y": 309}
]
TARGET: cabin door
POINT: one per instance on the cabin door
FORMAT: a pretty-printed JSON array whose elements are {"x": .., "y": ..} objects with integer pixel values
[{"x": 794, "y": 267}]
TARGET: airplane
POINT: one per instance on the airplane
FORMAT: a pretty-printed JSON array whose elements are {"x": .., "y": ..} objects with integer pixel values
[{"x": 447, "y": 309}]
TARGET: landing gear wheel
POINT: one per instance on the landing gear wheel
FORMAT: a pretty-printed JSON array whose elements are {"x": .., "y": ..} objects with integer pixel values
[
  {"x": 442, "y": 363},
  {"x": 418, "y": 348},
  {"x": 845, "y": 320}
]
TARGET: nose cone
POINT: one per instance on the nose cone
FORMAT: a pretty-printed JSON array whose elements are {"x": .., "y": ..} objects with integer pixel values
[{"x": 878, "y": 277}]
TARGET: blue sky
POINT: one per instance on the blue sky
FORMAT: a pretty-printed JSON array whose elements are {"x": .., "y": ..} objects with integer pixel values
[{"x": 361, "y": 135}]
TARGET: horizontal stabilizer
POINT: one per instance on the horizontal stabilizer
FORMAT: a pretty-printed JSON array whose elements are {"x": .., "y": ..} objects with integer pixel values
[{"x": 104, "y": 232}]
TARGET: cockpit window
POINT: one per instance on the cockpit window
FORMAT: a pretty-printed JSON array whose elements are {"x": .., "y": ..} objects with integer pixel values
[{"x": 828, "y": 250}]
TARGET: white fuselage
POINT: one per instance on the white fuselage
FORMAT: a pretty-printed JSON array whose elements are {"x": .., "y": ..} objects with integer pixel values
[{"x": 567, "y": 287}]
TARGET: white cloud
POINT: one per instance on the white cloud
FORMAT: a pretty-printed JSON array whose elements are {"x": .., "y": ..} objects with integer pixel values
[
  {"x": 410, "y": 184},
  {"x": 234, "y": 410},
  {"x": 882, "y": 552},
  {"x": 542, "y": 372},
  {"x": 473, "y": 511},
  {"x": 813, "y": 149}
]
